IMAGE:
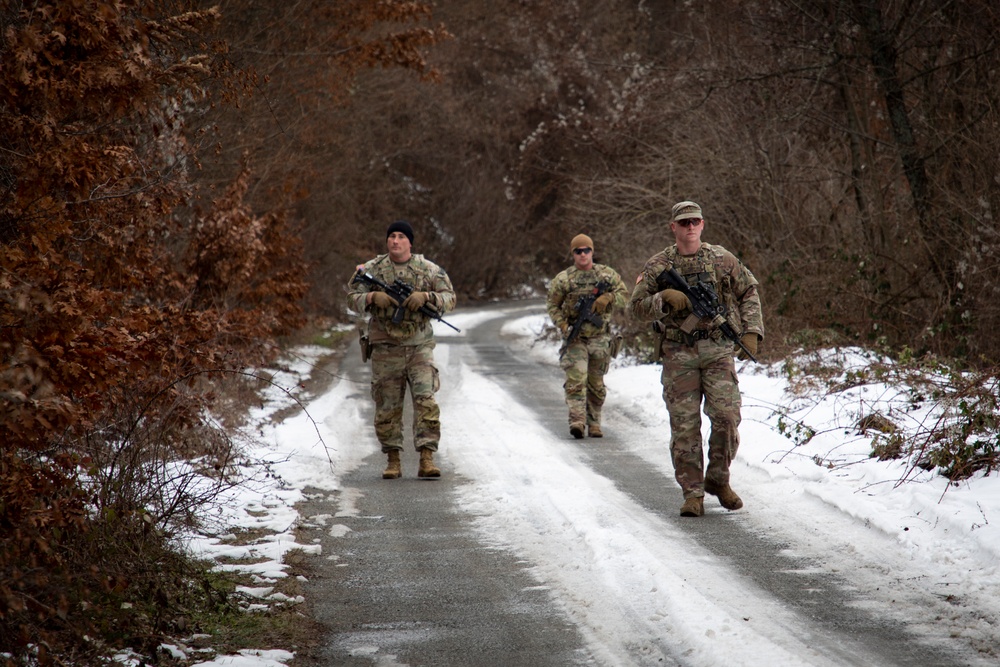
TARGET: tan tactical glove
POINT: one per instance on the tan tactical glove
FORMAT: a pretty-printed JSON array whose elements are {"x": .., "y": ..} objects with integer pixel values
[
  {"x": 749, "y": 341},
  {"x": 564, "y": 328},
  {"x": 602, "y": 303},
  {"x": 416, "y": 301},
  {"x": 383, "y": 300},
  {"x": 676, "y": 299}
]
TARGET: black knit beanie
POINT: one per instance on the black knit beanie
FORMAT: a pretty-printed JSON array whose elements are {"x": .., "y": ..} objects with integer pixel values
[{"x": 401, "y": 226}]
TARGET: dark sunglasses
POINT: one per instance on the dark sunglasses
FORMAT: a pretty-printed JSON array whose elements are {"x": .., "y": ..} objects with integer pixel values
[
  {"x": 688, "y": 222},
  {"x": 582, "y": 251}
]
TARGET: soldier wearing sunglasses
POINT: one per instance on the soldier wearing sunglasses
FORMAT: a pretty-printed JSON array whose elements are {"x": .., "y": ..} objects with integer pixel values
[
  {"x": 586, "y": 359},
  {"x": 697, "y": 360}
]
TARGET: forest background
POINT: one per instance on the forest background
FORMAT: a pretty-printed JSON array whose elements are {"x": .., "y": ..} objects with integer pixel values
[{"x": 185, "y": 184}]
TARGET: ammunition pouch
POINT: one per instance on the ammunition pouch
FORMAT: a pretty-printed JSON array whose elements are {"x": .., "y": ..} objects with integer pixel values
[
  {"x": 366, "y": 345},
  {"x": 689, "y": 339},
  {"x": 615, "y": 346}
]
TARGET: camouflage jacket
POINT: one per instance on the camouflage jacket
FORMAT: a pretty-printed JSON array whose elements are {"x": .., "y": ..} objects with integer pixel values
[
  {"x": 567, "y": 288},
  {"x": 732, "y": 281},
  {"x": 424, "y": 276}
]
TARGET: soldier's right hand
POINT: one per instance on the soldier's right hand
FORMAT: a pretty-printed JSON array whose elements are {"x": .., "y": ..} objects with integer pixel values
[
  {"x": 383, "y": 300},
  {"x": 564, "y": 328},
  {"x": 675, "y": 299}
]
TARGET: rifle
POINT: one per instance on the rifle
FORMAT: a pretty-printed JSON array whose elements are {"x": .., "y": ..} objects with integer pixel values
[
  {"x": 398, "y": 290},
  {"x": 585, "y": 314},
  {"x": 704, "y": 303}
]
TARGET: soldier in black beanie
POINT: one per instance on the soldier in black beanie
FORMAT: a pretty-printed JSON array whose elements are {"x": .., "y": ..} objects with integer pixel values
[
  {"x": 401, "y": 226},
  {"x": 402, "y": 351}
]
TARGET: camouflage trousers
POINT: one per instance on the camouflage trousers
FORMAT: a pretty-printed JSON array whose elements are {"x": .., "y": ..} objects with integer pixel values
[
  {"x": 585, "y": 363},
  {"x": 394, "y": 368},
  {"x": 690, "y": 374}
]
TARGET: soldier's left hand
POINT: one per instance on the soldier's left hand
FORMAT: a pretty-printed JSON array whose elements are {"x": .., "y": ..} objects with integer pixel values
[
  {"x": 416, "y": 301},
  {"x": 749, "y": 341},
  {"x": 602, "y": 303}
]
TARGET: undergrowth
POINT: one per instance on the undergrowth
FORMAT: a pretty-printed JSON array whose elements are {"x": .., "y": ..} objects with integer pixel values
[{"x": 939, "y": 417}]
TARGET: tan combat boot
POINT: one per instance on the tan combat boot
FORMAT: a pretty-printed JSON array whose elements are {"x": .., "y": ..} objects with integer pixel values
[
  {"x": 393, "y": 470},
  {"x": 595, "y": 431},
  {"x": 427, "y": 467},
  {"x": 693, "y": 507},
  {"x": 727, "y": 497}
]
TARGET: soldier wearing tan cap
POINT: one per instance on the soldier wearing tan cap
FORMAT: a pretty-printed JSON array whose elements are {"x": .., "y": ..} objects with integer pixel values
[
  {"x": 585, "y": 359},
  {"x": 697, "y": 359}
]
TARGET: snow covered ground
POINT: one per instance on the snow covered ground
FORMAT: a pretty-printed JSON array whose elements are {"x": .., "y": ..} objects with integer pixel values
[{"x": 825, "y": 497}]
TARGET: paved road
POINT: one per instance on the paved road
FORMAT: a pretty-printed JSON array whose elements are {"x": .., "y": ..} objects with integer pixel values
[{"x": 412, "y": 584}]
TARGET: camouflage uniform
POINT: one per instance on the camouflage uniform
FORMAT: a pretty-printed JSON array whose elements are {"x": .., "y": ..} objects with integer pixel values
[
  {"x": 700, "y": 365},
  {"x": 403, "y": 354},
  {"x": 586, "y": 360}
]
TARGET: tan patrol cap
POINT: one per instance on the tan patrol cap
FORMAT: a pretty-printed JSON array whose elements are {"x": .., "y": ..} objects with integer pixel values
[{"x": 686, "y": 209}]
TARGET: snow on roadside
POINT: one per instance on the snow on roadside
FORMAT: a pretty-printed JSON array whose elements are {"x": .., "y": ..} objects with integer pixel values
[{"x": 279, "y": 463}]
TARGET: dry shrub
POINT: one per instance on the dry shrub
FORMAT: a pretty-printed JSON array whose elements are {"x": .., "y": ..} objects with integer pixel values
[
  {"x": 43, "y": 516},
  {"x": 117, "y": 306}
]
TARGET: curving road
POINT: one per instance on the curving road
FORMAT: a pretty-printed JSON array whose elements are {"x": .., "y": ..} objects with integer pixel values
[{"x": 432, "y": 572}]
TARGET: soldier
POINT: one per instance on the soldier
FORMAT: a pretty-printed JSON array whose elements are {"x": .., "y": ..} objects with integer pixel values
[
  {"x": 403, "y": 354},
  {"x": 697, "y": 360},
  {"x": 585, "y": 360}
]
